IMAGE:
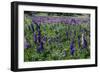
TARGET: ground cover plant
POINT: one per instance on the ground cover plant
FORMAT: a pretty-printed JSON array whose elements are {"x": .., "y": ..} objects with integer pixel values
[{"x": 56, "y": 36}]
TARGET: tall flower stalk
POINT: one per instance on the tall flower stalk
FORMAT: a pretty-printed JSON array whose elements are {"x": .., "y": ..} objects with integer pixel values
[
  {"x": 40, "y": 49},
  {"x": 35, "y": 37},
  {"x": 72, "y": 48},
  {"x": 39, "y": 36}
]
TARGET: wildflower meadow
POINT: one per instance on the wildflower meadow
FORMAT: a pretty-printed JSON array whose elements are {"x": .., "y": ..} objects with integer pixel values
[{"x": 52, "y": 36}]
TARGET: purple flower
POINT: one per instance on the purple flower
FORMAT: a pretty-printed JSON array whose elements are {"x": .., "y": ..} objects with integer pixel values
[
  {"x": 65, "y": 20},
  {"x": 72, "y": 48},
  {"x": 73, "y": 21},
  {"x": 40, "y": 49},
  {"x": 39, "y": 36},
  {"x": 39, "y": 32},
  {"x": 67, "y": 34},
  {"x": 35, "y": 37}
]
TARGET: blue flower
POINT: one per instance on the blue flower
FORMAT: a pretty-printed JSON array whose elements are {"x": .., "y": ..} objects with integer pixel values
[
  {"x": 72, "y": 48},
  {"x": 72, "y": 51},
  {"x": 39, "y": 32},
  {"x": 35, "y": 37},
  {"x": 67, "y": 35},
  {"x": 39, "y": 36}
]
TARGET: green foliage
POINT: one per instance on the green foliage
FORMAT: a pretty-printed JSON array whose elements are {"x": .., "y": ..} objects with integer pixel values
[{"x": 56, "y": 42}]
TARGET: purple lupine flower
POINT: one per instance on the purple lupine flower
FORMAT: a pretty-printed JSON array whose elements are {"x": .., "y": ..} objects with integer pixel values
[
  {"x": 35, "y": 37},
  {"x": 40, "y": 49},
  {"x": 67, "y": 35},
  {"x": 39, "y": 36},
  {"x": 26, "y": 44},
  {"x": 39, "y": 32},
  {"x": 73, "y": 21},
  {"x": 72, "y": 48},
  {"x": 65, "y": 20}
]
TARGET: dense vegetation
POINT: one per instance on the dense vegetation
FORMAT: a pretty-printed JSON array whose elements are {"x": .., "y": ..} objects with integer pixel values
[{"x": 49, "y": 36}]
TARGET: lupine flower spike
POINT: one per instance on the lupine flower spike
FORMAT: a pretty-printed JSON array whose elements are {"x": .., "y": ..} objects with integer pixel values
[
  {"x": 67, "y": 35},
  {"x": 35, "y": 37},
  {"x": 40, "y": 49},
  {"x": 72, "y": 48},
  {"x": 39, "y": 36}
]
